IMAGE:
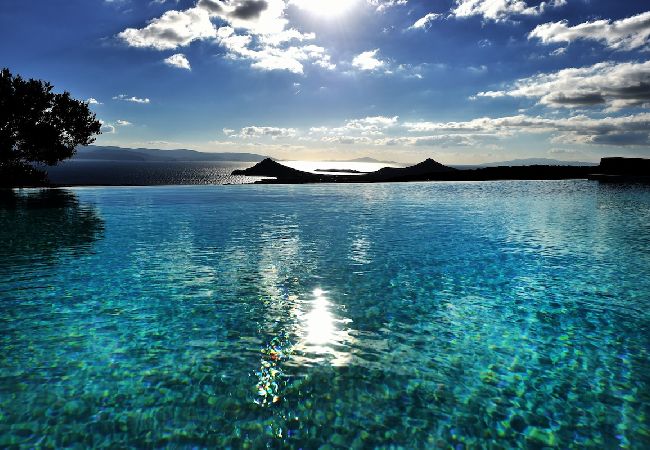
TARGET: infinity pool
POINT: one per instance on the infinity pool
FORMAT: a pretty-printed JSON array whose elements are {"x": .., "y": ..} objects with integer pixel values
[{"x": 439, "y": 315}]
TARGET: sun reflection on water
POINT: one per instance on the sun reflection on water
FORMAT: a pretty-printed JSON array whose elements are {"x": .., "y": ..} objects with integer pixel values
[
  {"x": 320, "y": 337},
  {"x": 324, "y": 336},
  {"x": 319, "y": 322}
]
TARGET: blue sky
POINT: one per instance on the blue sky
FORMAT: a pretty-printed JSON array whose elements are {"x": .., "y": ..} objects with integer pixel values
[{"x": 461, "y": 81}]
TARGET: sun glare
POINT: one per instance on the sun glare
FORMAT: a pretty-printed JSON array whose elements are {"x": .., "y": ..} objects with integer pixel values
[{"x": 325, "y": 7}]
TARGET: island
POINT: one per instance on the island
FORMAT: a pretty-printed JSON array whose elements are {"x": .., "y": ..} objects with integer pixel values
[{"x": 609, "y": 170}]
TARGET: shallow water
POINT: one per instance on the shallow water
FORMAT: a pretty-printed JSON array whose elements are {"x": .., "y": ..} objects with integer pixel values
[{"x": 450, "y": 315}]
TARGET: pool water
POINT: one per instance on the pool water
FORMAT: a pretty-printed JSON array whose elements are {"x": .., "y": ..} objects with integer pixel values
[{"x": 424, "y": 315}]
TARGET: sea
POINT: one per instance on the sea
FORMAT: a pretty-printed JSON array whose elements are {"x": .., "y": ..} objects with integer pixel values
[
  {"x": 148, "y": 173},
  {"x": 453, "y": 315}
]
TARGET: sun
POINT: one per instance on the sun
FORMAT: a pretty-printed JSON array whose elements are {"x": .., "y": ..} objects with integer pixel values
[{"x": 325, "y": 7}]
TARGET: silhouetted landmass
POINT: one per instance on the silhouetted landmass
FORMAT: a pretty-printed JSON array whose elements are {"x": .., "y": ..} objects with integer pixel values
[
  {"x": 623, "y": 170},
  {"x": 271, "y": 168},
  {"x": 109, "y": 153},
  {"x": 430, "y": 170},
  {"x": 525, "y": 162},
  {"x": 425, "y": 168}
]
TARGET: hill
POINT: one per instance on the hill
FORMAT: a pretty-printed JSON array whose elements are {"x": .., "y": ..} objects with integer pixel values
[{"x": 110, "y": 153}]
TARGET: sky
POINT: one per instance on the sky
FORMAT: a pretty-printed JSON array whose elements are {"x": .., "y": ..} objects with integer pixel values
[{"x": 460, "y": 81}]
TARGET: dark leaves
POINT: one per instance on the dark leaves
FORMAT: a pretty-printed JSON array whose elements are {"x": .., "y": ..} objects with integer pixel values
[{"x": 39, "y": 126}]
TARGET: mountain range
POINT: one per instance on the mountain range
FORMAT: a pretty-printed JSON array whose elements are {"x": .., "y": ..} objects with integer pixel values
[
  {"x": 111, "y": 153},
  {"x": 107, "y": 153}
]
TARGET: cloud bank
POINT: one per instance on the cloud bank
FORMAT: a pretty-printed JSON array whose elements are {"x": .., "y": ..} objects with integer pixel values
[
  {"x": 610, "y": 85},
  {"x": 254, "y": 30},
  {"x": 500, "y": 10},
  {"x": 625, "y": 34}
]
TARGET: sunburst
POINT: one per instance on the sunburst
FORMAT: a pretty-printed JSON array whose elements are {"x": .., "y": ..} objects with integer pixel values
[{"x": 325, "y": 7}]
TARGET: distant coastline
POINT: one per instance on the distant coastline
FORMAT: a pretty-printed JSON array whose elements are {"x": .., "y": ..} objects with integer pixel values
[{"x": 116, "y": 166}]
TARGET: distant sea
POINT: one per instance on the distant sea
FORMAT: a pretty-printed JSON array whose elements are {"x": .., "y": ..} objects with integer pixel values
[{"x": 151, "y": 173}]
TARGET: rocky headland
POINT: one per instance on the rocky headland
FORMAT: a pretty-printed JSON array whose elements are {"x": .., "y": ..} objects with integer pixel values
[{"x": 610, "y": 169}]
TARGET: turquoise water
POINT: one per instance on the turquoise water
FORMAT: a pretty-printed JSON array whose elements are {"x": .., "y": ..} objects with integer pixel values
[{"x": 441, "y": 315}]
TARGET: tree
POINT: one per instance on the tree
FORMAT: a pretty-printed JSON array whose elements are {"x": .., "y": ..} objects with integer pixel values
[{"x": 39, "y": 126}]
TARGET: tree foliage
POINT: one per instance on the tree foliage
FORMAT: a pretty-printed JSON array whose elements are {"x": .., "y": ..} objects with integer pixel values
[{"x": 38, "y": 125}]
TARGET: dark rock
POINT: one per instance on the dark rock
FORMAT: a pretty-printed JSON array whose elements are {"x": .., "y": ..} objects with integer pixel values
[
  {"x": 270, "y": 168},
  {"x": 430, "y": 170},
  {"x": 426, "y": 167},
  {"x": 625, "y": 166}
]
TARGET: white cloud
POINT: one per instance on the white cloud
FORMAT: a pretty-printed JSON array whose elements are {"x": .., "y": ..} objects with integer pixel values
[
  {"x": 106, "y": 128},
  {"x": 347, "y": 140},
  {"x": 126, "y": 98},
  {"x": 178, "y": 60},
  {"x": 123, "y": 123},
  {"x": 625, "y": 34},
  {"x": 484, "y": 43},
  {"x": 258, "y": 132},
  {"x": 382, "y": 5},
  {"x": 93, "y": 101},
  {"x": 254, "y": 30},
  {"x": 367, "y": 61},
  {"x": 172, "y": 30},
  {"x": 608, "y": 84},
  {"x": 632, "y": 130},
  {"x": 371, "y": 125},
  {"x": 269, "y": 57},
  {"x": 425, "y": 22},
  {"x": 500, "y": 10},
  {"x": 558, "y": 51},
  {"x": 367, "y": 126},
  {"x": 439, "y": 140}
]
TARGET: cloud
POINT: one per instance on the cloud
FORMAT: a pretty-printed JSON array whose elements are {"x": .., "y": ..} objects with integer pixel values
[
  {"x": 126, "y": 98},
  {"x": 254, "y": 30},
  {"x": 485, "y": 43},
  {"x": 258, "y": 132},
  {"x": 106, "y": 128},
  {"x": 425, "y": 22},
  {"x": 371, "y": 125},
  {"x": 172, "y": 30},
  {"x": 178, "y": 60},
  {"x": 347, "y": 140},
  {"x": 558, "y": 51},
  {"x": 611, "y": 85},
  {"x": 632, "y": 130},
  {"x": 367, "y": 126},
  {"x": 249, "y": 9},
  {"x": 625, "y": 34},
  {"x": 500, "y": 10},
  {"x": 382, "y": 5},
  {"x": 440, "y": 140},
  {"x": 93, "y": 101},
  {"x": 366, "y": 61},
  {"x": 270, "y": 57},
  {"x": 123, "y": 123}
]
